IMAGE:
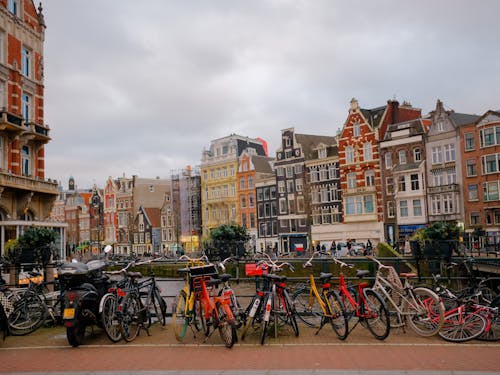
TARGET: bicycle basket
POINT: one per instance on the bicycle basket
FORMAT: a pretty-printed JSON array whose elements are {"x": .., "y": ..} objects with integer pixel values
[
  {"x": 205, "y": 270},
  {"x": 251, "y": 269},
  {"x": 390, "y": 274}
]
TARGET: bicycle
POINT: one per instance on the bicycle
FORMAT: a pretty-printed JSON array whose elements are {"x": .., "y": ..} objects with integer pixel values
[
  {"x": 272, "y": 303},
  {"x": 419, "y": 306},
  {"x": 186, "y": 309},
  {"x": 316, "y": 309},
  {"x": 366, "y": 304},
  {"x": 196, "y": 304}
]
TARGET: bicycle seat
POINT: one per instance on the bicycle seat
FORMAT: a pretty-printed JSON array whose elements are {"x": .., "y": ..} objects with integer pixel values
[
  {"x": 408, "y": 275},
  {"x": 323, "y": 276},
  {"x": 362, "y": 273},
  {"x": 275, "y": 277}
]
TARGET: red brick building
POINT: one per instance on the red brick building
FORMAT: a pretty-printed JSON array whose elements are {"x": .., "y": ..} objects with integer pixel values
[{"x": 360, "y": 175}]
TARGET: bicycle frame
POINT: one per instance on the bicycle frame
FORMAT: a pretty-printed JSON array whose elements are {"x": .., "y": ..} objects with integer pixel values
[
  {"x": 355, "y": 304},
  {"x": 314, "y": 294}
]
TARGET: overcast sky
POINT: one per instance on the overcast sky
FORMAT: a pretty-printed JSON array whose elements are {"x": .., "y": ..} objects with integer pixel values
[{"x": 141, "y": 87}]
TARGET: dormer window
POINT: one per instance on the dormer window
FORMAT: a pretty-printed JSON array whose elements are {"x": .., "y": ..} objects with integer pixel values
[
  {"x": 13, "y": 7},
  {"x": 322, "y": 153}
]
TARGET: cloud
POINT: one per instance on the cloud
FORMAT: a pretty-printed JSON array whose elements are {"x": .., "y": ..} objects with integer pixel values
[{"x": 142, "y": 88}]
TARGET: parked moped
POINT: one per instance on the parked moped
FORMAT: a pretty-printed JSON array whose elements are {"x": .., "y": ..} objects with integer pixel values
[{"x": 83, "y": 286}]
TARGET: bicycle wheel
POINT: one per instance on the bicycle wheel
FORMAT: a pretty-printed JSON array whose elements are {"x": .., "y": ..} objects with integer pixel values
[
  {"x": 254, "y": 309},
  {"x": 308, "y": 310},
  {"x": 200, "y": 317},
  {"x": 267, "y": 317},
  {"x": 28, "y": 315},
  {"x": 425, "y": 312},
  {"x": 461, "y": 327},
  {"x": 160, "y": 307},
  {"x": 226, "y": 328},
  {"x": 132, "y": 312},
  {"x": 290, "y": 312},
  {"x": 338, "y": 320},
  {"x": 375, "y": 314},
  {"x": 109, "y": 317},
  {"x": 147, "y": 311},
  {"x": 179, "y": 319}
]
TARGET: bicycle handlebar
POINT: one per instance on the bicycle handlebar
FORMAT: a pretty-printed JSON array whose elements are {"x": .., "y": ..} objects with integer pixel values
[
  {"x": 274, "y": 265},
  {"x": 133, "y": 264},
  {"x": 308, "y": 262}
]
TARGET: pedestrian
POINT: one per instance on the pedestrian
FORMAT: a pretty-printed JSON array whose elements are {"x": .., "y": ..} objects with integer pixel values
[{"x": 333, "y": 248}]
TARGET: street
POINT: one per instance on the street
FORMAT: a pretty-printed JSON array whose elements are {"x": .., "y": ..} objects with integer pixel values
[{"x": 47, "y": 351}]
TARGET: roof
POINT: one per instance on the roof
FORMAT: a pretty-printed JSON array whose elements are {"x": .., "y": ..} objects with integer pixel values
[
  {"x": 262, "y": 164},
  {"x": 374, "y": 115},
  {"x": 309, "y": 143},
  {"x": 153, "y": 215},
  {"x": 462, "y": 118},
  {"x": 253, "y": 143}
]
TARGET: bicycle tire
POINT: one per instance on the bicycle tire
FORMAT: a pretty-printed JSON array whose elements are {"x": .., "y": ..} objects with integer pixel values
[
  {"x": 309, "y": 312},
  {"x": 251, "y": 321},
  {"x": 160, "y": 307},
  {"x": 179, "y": 319},
  {"x": 201, "y": 316},
  {"x": 227, "y": 331},
  {"x": 461, "y": 327},
  {"x": 338, "y": 320},
  {"x": 375, "y": 314},
  {"x": 425, "y": 315},
  {"x": 265, "y": 322},
  {"x": 493, "y": 333},
  {"x": 131, "y": 316},
  {"x": 291, "y": 312},
  {"x": 28, "y": 315},
  {"x": 109, "y": 317}
]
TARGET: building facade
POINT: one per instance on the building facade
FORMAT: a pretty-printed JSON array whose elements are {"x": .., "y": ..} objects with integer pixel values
[
  {"x": 267, "y": 214},
  {"x": 219, "y": 183},
  {"x": 404, "y": 179},
  {"x": 26, "y": 197},
  {"x": 480, "y": 149}
]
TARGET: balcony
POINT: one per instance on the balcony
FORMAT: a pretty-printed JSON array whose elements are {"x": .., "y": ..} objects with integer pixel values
[
  {"x": 38, "y": 133},
  {"x": 443, "y": 189},
  {"x": 10, "y": 181},
  {"x": 11, "y": 123},
  {"x": 361, "y": 190}
]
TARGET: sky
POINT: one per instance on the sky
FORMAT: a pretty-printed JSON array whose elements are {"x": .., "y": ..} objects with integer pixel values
[{"x": 142, "y": 87}]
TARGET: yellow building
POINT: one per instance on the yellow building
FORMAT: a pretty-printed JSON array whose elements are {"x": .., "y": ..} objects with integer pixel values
[{"x": 219, "y": 184}]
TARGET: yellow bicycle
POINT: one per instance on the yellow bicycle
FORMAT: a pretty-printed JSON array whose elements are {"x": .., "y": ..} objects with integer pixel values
[
  {"x": 317, "y": 308},
  {"x": 187, "y": 308}
]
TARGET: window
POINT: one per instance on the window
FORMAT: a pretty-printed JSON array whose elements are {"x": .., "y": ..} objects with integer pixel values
[
  {"x": 448, "y": 203},
  {"x": 370, "y": 178},
  {"x": 403, "y": 208},
  {"x": 402, "y": 157},
  {"x": 440, "y": 125},
  {"x": 388, "y": 160},
  {"x": 351, "y": 180},
  {"x": 414, "y": 182},
  {"x": 356, "y": 129},
  {"x": 243, "y": 201},
  {"x": 437, "y": 155},
  {"x": 251, "y": 200},
  {"x": 368, "y": 203},
  {"x": 280, "y": 171},
  {"x": 349, "y": 154},
  {"x": 289, "y": 186},
  {"x": 487, "y": 137},
  {"x": 417, "y": 154},
  {"x": 469, "y": 141},
  {"x": 1, "y": 152},
  {"x": 323, "y": 174},
  {"x": 490, "y": 163},
  {"x": 449, "y": 152},
  {"x": 298, "y": 168},
  {"x": 471, "y": 167},
  {"x": 2, "y": 38},
  {"x": 473, "y": 193},
  {"x": 289, "y": 172},
  {"x": 281, "y": 187},
  {"x": 390, "y": 209},
  {"x": 291, "y": 206},
  {"x": 252, "y": 220},
  {"x": 244, "y": 220},
  {"x": 242, "y": 183},
  {"x": 25, "y": 161},
  {"x": 13, "y": 7},
  {"x": 436, "y": 204},
  {"x": 298, "y": 184},
  {"x": 401, "y": 183},
  {"x": 26, "y": 107},
  {"x": 283, "y": 206},
  {"x": 474, "y": 218},
  {"x": 389, "y": 185},
  {"x": 300, "y": 204},
  {"x": 322, "y": 153},
  {"x": 417, "y": 207},
  {"x": 368, "y": 151},
  {"x": 490, "y": 191}
]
